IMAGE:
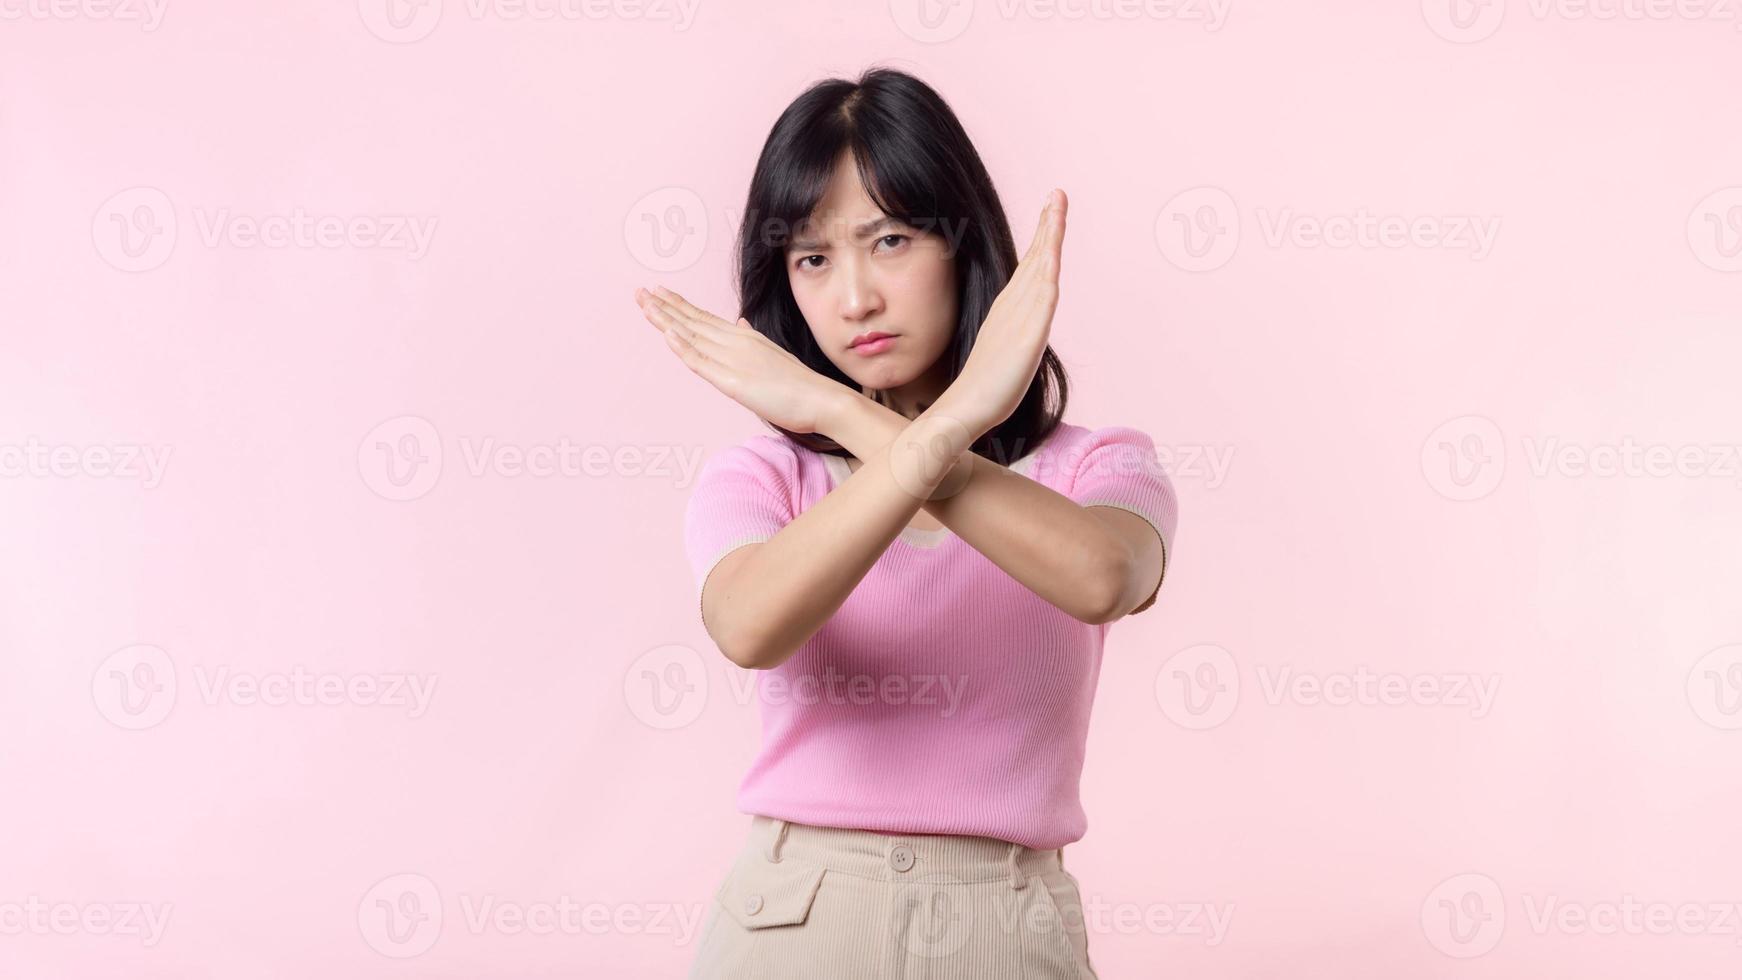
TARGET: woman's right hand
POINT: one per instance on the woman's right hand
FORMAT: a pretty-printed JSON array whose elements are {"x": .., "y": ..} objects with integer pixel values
[
  {"x": 744, "y": 365},
  {"x": 1013, "y": 337}
]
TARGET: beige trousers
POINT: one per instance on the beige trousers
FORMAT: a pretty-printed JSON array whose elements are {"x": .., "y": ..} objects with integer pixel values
[{"x": 803, "y": 902}]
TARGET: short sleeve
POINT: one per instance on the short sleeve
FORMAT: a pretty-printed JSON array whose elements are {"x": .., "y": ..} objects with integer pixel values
[
  {"x": 1118, "y": 467},
  {"x": 743, "y": 494}
]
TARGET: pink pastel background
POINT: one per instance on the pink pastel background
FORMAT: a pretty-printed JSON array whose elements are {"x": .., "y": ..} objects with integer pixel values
[{"x": 343, "y": 419}]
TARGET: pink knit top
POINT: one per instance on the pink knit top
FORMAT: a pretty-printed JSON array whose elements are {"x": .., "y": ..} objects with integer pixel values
[{"x": 943, "y": 697}]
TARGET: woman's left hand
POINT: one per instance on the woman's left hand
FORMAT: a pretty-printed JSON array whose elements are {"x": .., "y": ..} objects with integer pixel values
[
  {"x": 1012, "y": 339},
  {"x": 744, "y": 365}
]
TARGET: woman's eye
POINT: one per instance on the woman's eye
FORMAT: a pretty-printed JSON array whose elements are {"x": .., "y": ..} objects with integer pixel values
[{"x": 895, "y": 240}]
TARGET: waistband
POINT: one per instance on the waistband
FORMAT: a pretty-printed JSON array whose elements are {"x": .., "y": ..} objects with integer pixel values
[{"x": 933, "y": 858}]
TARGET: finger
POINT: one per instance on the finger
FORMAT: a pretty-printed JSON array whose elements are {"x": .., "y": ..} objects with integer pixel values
[
  {"x": 1055, "y": 241},
  {"x": 703, "y": 364},
  {"x": 665, "y": 315},
  {"x": 651, "y": 310},
  {"x": 693, "y": 311},
  {"x": 1042, "y": 249},
  {"x": 670, "y": 322},
  {"x": 691, "y": 353},
  {"x": 1039, "y": 230}
]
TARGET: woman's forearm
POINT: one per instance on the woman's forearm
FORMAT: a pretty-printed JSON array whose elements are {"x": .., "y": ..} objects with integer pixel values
[
  {"x": 763, "y": 601},
  {"x": 1061, "y": 550}
]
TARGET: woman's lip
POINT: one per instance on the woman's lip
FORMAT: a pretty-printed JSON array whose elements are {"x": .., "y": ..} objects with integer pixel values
[{"x": 877, "y": 346}]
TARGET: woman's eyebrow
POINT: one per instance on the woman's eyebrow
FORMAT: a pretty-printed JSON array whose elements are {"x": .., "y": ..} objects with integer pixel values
[{"x": 865, "y": 230}]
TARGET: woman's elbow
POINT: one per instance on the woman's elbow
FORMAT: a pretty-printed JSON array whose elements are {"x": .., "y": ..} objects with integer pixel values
[
  {"x": 748, "y": 648},
  {"x": 1108, "y": 592}
]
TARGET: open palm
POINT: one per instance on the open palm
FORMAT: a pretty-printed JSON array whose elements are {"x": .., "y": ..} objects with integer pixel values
[
  {"x": 744, "y": 365},
  {"x": 1013, "y": 338}
]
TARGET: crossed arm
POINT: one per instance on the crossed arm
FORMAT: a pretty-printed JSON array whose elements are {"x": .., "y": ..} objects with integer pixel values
[{"x": 1095, "y": 563}]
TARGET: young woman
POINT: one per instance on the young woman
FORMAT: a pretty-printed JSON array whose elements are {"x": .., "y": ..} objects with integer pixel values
[{"x": 923, "y": 561}]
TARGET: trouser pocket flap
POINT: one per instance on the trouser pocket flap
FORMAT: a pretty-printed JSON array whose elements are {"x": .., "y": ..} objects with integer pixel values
[{"x": 761, "y": 893}]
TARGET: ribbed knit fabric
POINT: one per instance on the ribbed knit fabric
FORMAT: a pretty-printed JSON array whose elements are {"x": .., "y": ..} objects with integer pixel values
[{"x": 943, "y": 697}]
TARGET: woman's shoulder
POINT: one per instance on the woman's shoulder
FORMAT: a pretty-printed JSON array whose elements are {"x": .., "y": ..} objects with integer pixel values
[
  {"x": 770, "y": 445},
  {"x": 1116, "y": 430},
  {"x": 770, "y": 460},
  {"x": 1069, "y": 440},
  {"x": 757, "y": 452}
]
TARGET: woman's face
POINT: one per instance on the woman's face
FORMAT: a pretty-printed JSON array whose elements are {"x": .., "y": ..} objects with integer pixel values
[{"x": 855, "y": 271}]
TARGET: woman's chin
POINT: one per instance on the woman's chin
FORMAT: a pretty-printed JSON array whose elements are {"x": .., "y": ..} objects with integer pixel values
[{"x": 881, "y": 380}]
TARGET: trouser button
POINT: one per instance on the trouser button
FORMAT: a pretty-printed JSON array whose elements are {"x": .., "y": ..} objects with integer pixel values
[{"x": 901, "y": 857}]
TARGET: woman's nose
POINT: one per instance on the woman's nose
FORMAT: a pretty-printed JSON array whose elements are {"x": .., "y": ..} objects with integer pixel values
[{"x": 859, "y": 295}]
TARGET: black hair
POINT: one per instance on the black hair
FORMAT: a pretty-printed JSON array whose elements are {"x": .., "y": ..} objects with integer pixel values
[{"x": 918, "y": 165}]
